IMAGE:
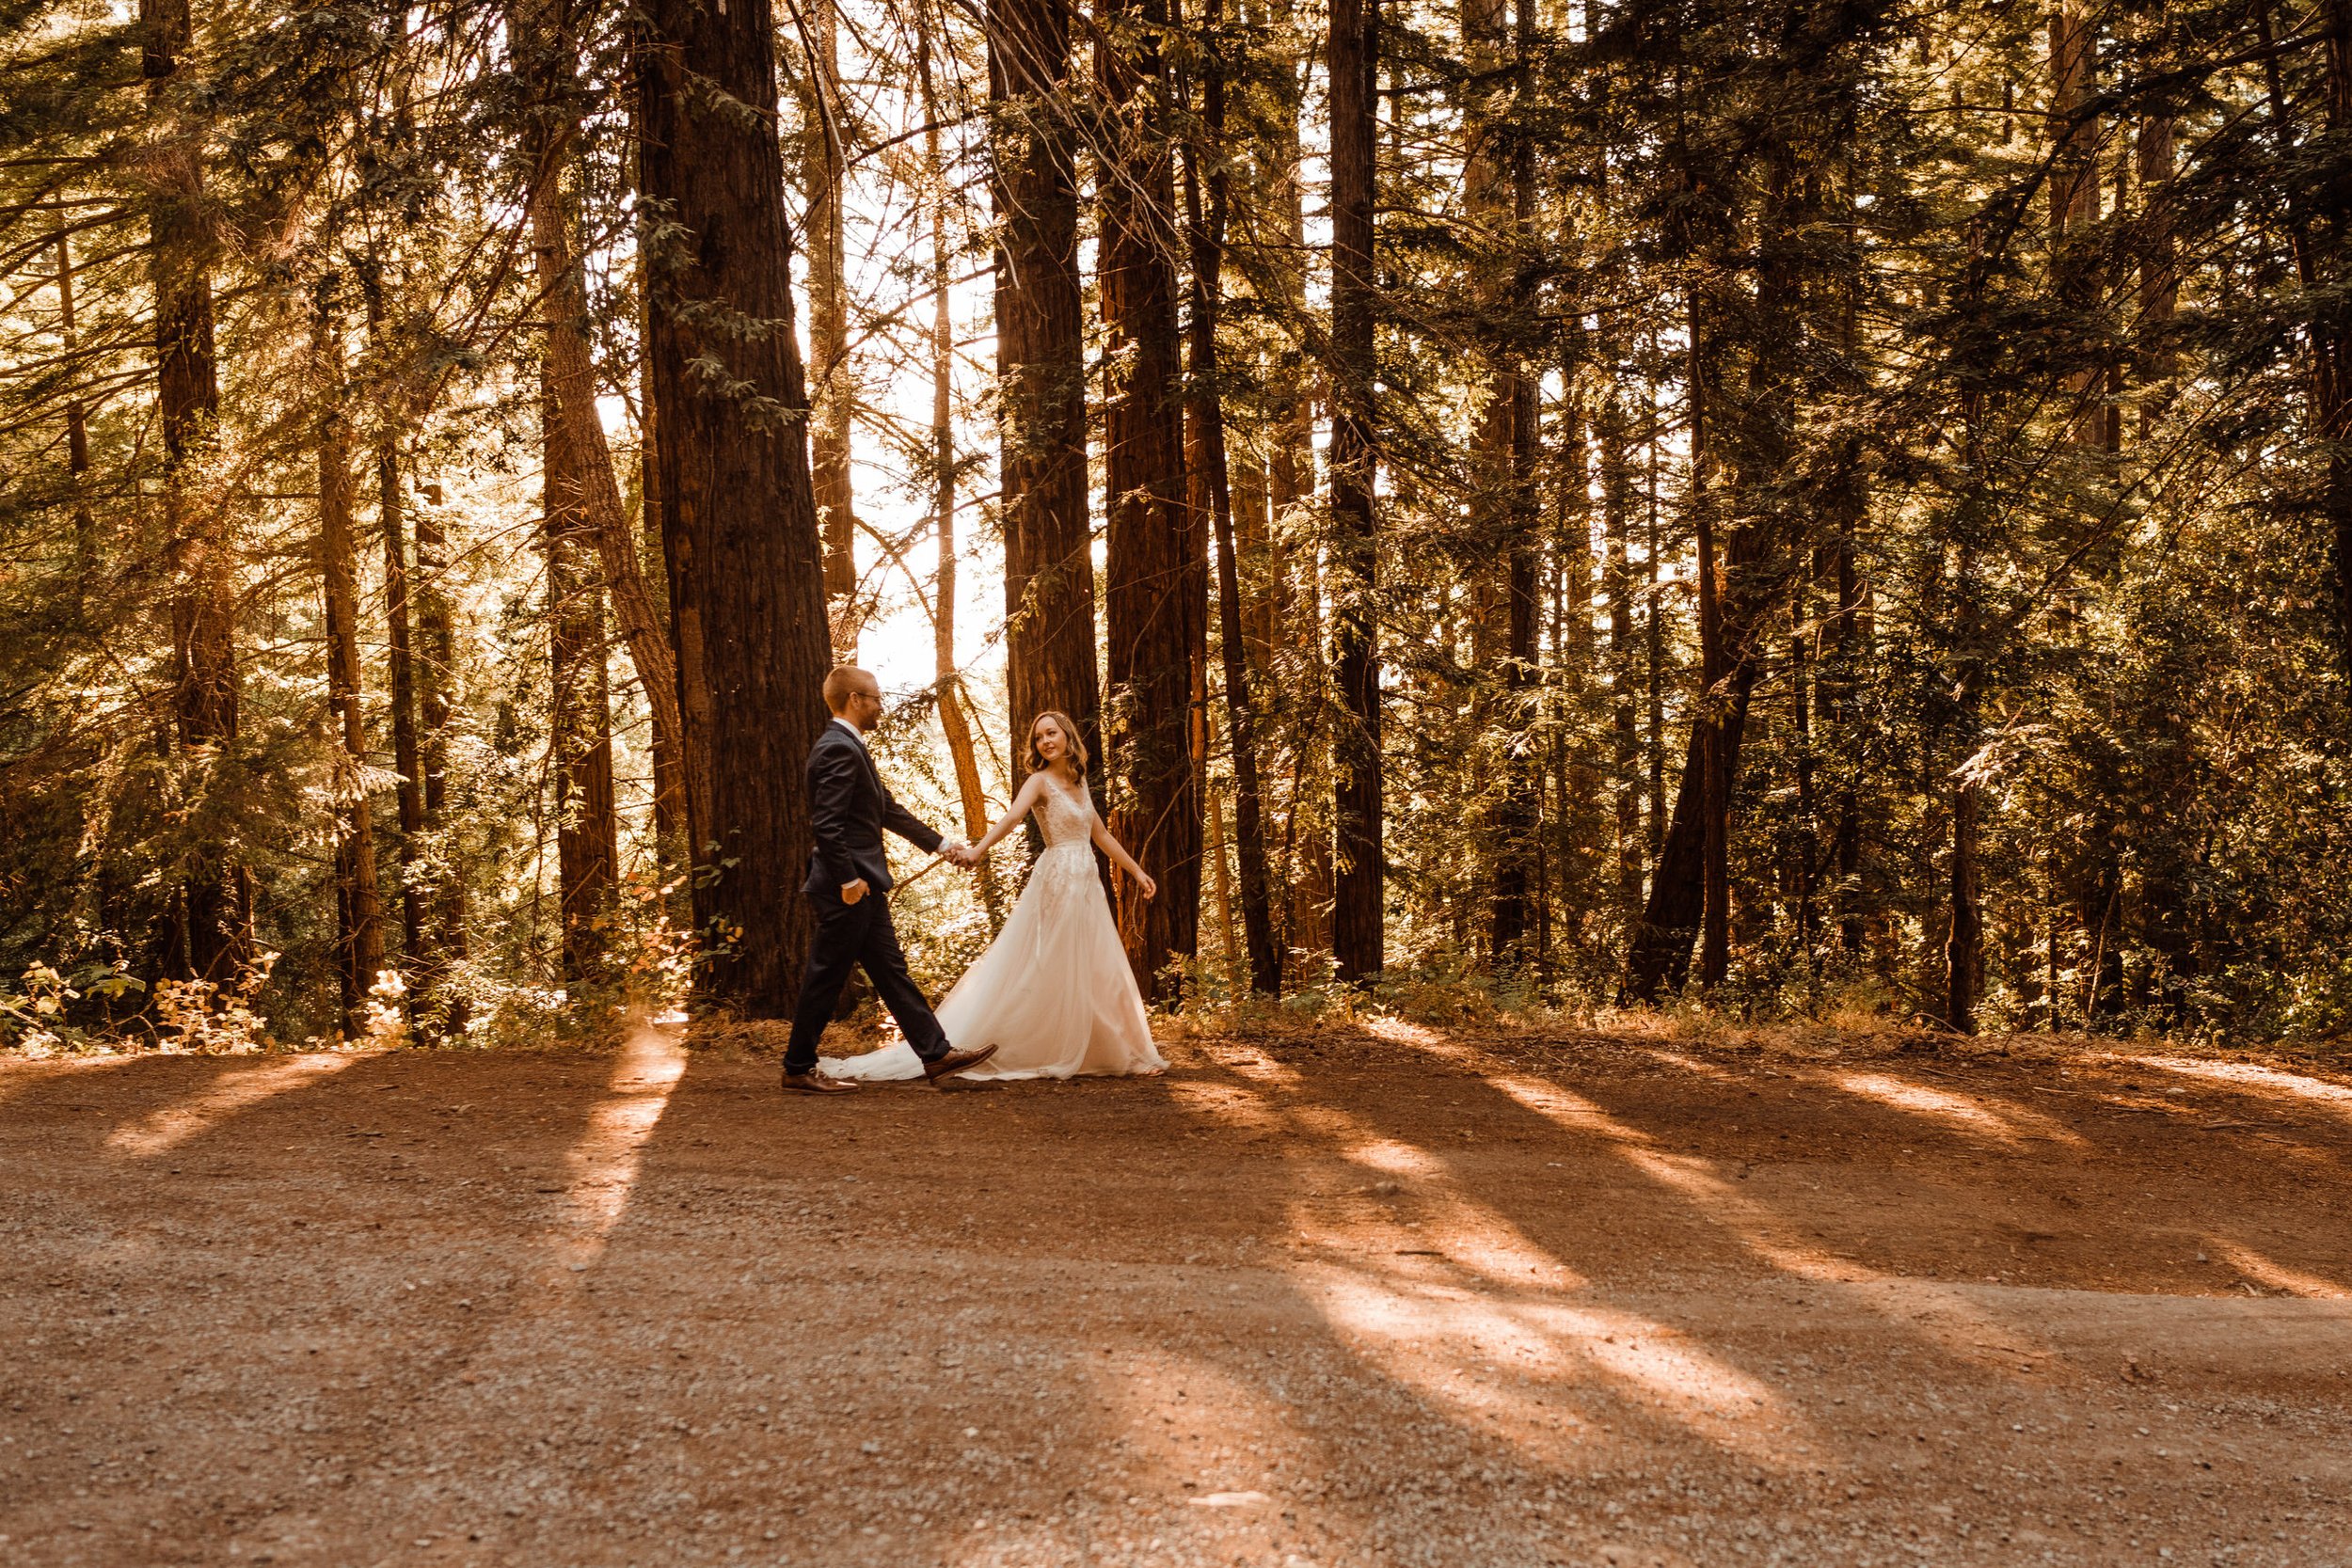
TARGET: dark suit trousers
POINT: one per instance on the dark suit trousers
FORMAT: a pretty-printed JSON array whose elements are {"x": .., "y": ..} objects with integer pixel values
[{"x": 848, "y": 936}]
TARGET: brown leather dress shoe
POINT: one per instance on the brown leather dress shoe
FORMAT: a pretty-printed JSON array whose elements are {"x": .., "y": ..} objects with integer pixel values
[
  {"x": 956, "y": 1061},
  {"x": 817, "y": 1083}
]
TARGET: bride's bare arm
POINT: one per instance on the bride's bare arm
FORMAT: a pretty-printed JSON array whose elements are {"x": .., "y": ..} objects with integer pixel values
[
  {"x": 1022, "y": 800},
  {"x": 1118, "y": 852}
]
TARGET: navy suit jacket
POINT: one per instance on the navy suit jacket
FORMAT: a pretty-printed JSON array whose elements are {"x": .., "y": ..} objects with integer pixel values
[{"x": 849, "y": 808}]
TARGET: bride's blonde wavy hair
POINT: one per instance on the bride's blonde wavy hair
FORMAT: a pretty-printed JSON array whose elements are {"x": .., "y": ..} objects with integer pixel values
[{"x": 1069, "y": 734}]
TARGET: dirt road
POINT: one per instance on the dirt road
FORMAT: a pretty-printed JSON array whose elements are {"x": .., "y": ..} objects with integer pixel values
[{"x": 1382, "y": 1298}]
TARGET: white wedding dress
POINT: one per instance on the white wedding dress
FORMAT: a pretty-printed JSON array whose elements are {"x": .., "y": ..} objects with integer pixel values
[{"x": 1052, "y": 992}]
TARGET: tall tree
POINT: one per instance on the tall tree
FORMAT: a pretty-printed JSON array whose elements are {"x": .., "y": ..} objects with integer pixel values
[
  {"x": 1499, "y": 180},
  {"x": 737, "y": 512},
  {"x": 400, "y": 664},
  {"x": 1155, "y": 615},
  {"x": 1616, "y": 485},
  {"x": 211, "y": 934},
  {"x": 447, "y": 941},
  {"x": 359, "y": 943},
  {"x": 1211, "y": 495},
  {"x": 547, "y": 49},
  {"x": 580, "y": 707},
  {"x": 955, "y": 723},
  {"x": 1033, "y": 196},
  {"x": 1359, "y": 935},
  {"x": 832, "y": 384},
  {"x": 76, "y": 428}
]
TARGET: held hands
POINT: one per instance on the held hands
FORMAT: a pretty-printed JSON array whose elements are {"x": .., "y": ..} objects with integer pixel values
[{"x": 963, "y": 855}]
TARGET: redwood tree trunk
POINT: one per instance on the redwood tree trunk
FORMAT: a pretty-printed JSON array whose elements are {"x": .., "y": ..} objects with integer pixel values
[
  {"x": 212, "y": 924},
  {"x": 828, "y": 326},
  {"x": 400, "y": 653},
  {"x": 1358, "y": 927},
  {"x": 739, "y": 514},
  {"x": 547, "y": 53},
  {"x": 436, "y": 678},
  {"x": 2331, "y": 338},
  {"x": 579, "y": 709},
  {"x": 1617, "y": 586},
  {"x": 1049, "y": 567},
  {"x": 359, "y": 946},
  {"x": 1715, "y": 772},
  {"x": 1211, "y": 493},
  {"x": 1155, "y": 625}
]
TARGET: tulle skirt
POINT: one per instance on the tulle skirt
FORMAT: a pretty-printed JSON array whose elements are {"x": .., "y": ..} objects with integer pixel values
[{"x": 1052, "y": 992}]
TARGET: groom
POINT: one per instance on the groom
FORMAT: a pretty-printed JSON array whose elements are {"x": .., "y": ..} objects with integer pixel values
[{"x": 849, "y": 808}]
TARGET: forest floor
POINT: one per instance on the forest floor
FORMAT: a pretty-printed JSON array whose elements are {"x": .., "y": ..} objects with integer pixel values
[{"x": 1393, "y": 1295}]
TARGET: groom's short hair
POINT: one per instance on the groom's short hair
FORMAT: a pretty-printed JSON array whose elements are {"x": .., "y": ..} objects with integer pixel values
[{"x": 841, "y": 680}]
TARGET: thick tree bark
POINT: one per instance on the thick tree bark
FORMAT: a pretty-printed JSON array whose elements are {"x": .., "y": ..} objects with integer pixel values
[
  {"x": 360, "y": 945},
  {"x": 2074, "y": 195},
  {"x": 1211, "y": 496},
  {"x": 548, "y": 52},
  {"x": 579, "y": 709},
  {"x": 1358, "y": 923},
  {"x": 1049, "y": 565},
  {"x": 830, "y": 382},
  {"x": 737, "y": 511},
  {"x": 1155, "y": 627},
  {"x": 211, "y": 935}
]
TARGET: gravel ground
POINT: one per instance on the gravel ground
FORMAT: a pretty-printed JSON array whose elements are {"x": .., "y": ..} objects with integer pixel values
[{"x": 1396, "y": 1297}]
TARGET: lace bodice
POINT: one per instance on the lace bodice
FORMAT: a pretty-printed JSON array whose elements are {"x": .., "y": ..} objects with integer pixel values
[{"x": 1066, "y": 819}]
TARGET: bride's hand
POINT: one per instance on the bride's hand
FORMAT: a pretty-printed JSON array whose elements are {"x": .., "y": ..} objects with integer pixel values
[{"x": 1151, "y": 887}]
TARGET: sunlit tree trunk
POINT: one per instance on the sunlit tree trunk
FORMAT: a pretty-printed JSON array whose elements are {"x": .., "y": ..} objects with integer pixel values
[
  {"x": 1211, "y": 497},
  {"x": 1358, "y": 919},
  {"x": 831, "y": 383},
  {"x": 1033, "y": 194},
  {"x": 400, "y": 650},
  {"x": 2074, "y": 195},
  {"x": 739, "y": 514},
  {"x": 1499, "y": 180},
  {"x": 1710, "y": 725},
  {"x": 954, "y": 722},
  {"x": 447, "y": 938},
  {"x": 211, "y": 935},
  {"x": 360, "y": 945},
  {"x": 1153, "y": 626},
  {"x": 547, "y": 53},
  {"x": 1617, "y": 483},
  {"x": 580, "y": 709}
]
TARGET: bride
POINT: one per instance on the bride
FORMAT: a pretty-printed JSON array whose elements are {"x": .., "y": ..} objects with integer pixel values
[{"x": 1052, "y": 992}]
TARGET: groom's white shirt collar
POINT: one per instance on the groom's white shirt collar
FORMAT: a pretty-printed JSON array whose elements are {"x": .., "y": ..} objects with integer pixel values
[{"x": 852, "y": 729}]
